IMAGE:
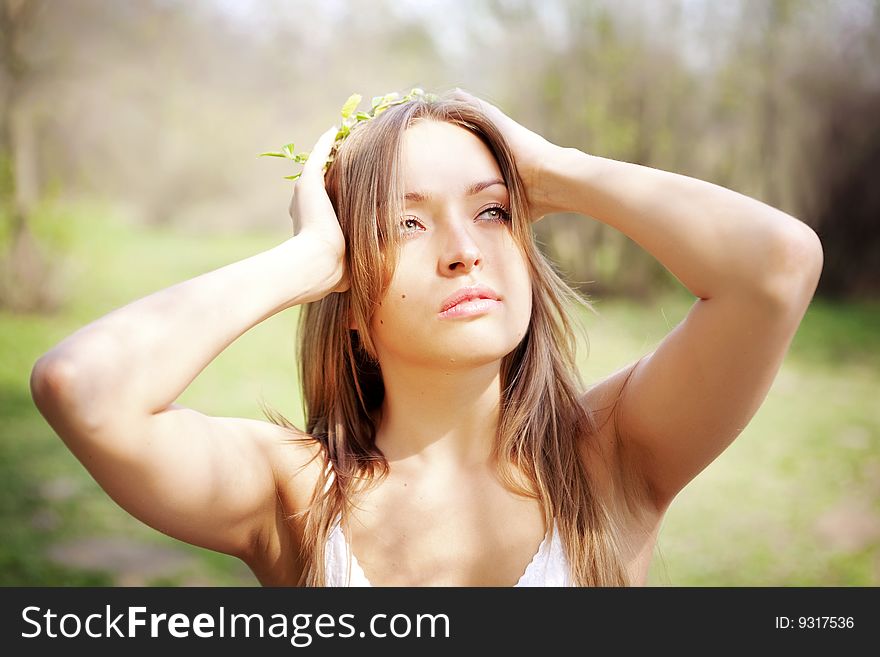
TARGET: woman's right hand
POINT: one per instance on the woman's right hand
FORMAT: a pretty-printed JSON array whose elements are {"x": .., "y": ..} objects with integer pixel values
[{"x": 314, "y": 220}]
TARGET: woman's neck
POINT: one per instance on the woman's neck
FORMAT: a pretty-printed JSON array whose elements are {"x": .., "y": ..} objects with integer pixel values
[{"x": 443, "y": 418}]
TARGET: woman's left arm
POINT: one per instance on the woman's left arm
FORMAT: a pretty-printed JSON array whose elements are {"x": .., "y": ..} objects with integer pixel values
[
  {"x": 717, "y": 242},
  {"x": 753, "y": 268}
]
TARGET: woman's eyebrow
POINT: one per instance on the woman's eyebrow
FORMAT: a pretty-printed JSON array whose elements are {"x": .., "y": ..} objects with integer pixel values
[{"x": 469, "y": 190}]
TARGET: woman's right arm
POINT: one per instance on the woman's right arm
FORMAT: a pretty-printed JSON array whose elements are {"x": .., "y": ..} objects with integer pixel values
[{"x": 108, "y": 389}]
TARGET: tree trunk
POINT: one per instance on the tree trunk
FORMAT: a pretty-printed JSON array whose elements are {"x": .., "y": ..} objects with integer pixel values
[{"x": 25, "y": 274}]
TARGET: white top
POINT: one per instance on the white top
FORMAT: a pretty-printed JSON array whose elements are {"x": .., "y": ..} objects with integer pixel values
[{"x": 549, "y": 566}]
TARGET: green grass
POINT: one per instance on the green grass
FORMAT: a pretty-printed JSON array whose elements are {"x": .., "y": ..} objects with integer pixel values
[{"x": 794, "y": 501}]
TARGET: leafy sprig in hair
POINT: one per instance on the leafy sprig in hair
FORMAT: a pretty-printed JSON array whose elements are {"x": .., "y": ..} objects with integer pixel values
[{"x": 350, "y": 118}]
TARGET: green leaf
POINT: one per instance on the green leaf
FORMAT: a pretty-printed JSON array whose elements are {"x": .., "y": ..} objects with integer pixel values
[
  {"x": 301, "y": 157},
  {"x": 343, "y": 132},
  {"x": 362, "y": 116},
  {"x": 293, "y": 177},
  {"x": 271, "y": 155},
  {"x": 377, "y": 100},
  {"x": 287, "y": 149},
  {"x": 350, "y": 105}
]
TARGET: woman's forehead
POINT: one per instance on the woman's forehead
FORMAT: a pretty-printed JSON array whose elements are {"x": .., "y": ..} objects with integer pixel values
[{"x": 440, "y": 157}]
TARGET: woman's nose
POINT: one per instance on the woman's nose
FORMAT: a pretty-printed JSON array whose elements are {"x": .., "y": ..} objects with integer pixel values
[{"x": 462, "y": 254}]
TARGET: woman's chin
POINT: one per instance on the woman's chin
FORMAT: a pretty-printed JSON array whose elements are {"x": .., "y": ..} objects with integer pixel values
[
  {"x": 454, "y": 350},
  {"x": 470, "y": 355}
]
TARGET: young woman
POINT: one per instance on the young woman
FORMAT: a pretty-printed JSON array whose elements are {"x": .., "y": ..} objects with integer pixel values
[{"x": 448, "y": 438}]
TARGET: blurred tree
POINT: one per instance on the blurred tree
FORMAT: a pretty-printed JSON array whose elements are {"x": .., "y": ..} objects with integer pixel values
[
  {"x": 24, "y": 270},
  {"x": 840, "y": 87},
  {"x": 848, "y": 219}
]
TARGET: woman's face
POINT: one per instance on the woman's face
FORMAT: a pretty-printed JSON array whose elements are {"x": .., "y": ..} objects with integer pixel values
[{"x": 456, "y": 234}]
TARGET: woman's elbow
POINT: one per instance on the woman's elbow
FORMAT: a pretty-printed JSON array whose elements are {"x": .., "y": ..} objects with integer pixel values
[
  {"x": 51, "y": 380},
  {"x": 793, "y": 274}
]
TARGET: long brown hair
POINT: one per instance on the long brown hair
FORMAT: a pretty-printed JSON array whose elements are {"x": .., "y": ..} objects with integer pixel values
[{"x": 543, "y": 427}]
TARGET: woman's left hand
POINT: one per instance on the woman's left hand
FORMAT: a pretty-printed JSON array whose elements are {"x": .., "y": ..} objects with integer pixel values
[{"x": 531, "y": 151}]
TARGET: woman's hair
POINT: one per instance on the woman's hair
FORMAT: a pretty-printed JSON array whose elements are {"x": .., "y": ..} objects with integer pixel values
[{"x": 543, "y": 428}]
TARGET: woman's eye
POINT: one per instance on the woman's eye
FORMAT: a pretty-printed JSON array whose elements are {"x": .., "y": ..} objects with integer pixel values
[
  {"x": 409, "y": 225},
  {"x": 496, "y": 213}
]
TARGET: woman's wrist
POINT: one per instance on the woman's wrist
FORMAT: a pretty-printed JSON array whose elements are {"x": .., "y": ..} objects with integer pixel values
[
  {"x": 312, "y": 269},
  {"x": 560, "y": 190}
]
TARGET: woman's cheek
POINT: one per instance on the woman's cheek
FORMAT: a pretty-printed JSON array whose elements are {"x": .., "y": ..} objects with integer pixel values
[{"x": 394, "y": 312}]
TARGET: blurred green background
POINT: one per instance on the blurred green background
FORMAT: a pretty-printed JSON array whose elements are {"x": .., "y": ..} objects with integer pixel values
[{"x": 128, "y": 135}]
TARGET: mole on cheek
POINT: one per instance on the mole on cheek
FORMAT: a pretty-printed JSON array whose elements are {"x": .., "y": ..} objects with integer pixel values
[{"x": 403, "y": 296}]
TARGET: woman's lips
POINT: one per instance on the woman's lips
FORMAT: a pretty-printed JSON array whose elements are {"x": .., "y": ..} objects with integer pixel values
[
  {"x": 469, "y": 293},
  {"x": 469, "y": 308}
]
